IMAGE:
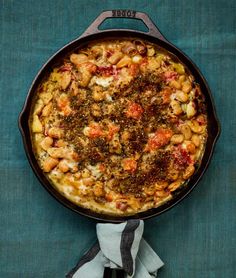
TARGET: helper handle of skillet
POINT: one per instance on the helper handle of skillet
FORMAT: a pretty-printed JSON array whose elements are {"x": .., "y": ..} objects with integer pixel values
[{"x": 130, "y": 14}]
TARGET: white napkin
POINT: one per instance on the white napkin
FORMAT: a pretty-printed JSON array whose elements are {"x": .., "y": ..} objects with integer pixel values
[{"x": 119, "y": 246}]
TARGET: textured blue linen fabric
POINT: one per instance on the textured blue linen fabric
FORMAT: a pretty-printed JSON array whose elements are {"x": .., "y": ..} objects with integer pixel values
[{"x": 40, "y": 238}]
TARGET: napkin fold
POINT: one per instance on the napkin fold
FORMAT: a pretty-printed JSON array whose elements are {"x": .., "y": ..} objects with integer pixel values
[{"x": 119, "y": 246}]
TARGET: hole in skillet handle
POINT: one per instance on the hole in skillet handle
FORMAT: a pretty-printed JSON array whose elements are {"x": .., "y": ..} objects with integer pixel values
[
  {"x": 123, "y": 23},
  {"x": 129, "y": 14}
]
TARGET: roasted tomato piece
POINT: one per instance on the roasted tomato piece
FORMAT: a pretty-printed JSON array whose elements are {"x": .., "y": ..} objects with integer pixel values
[
  {"x": 109, "y": 197},
  {"x": 105, "y": 70},
  {"x": 112, "y": 130},
  {"x": 65, "y": 67},
  {"x": 201, "y": 119},
  {"x": 134, "y": 111},
  {"x": 64, "y": 104},
  {"x": 129, "y": 164},
  {"x": 182, "y": 157},
  {"x": 109, "y": 53},
  {"x": 143, "y": 64},
  {"x": 165, "y": 94},
  {"x": 121, "y": 205},
  {"x": 133, "y": 69},
  {"x": 159, "y": 139},
  {"x": 95, "y": 130},
  {"x": 63, "y": 101},
  {"x": 90, "y": 67},
  {"x": 102, "y": 168},
  {"x": 170, "y": 75}
]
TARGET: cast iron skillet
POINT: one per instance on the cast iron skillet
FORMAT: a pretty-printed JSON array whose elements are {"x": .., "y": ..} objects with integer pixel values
[{"x": 154, "y": 36}]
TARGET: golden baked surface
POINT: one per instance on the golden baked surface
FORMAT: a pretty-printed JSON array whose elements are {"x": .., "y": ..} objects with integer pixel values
[{"x": 118, "y": 126}]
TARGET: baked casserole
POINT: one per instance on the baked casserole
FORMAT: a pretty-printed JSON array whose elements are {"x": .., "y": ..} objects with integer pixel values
[{"x": 119, "y": 126}]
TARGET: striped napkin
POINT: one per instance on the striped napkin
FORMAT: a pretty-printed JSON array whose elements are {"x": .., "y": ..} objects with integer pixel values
[{"x": 119, "y": 246}]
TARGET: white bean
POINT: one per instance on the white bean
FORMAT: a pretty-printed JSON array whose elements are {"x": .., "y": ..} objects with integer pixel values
[
  {"x": 49, "y": 163},
  {"x": 188, "y": 172},
  {"x": 186, "y": 131},
  {"x": 55, "y": 132},
  {"x": 195, "y": 127},
  {"x": 181, "y": 96},
  {"x": 177, "y": 138},
  {"x": 46, "y": 143},
  {"x": 196, "y": 140},
  {"x": 186, "y": 87},
  {"x": 175, "y": 105},
  {"x": 190, "y": 109},
  {"x": 174, "y": 185}
]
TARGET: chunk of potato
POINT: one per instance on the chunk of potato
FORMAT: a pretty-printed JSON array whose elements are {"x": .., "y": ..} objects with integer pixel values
[
  {"x": 36, "y": 124},
  {"x": 38, "y": 107},
  {"x": 65, "y": 80},
  {"x": 47, "y": 109},
  {"x": 46, "y": 97}
]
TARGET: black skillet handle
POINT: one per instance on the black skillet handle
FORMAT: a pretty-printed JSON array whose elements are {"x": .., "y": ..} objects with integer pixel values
[
  {"x": 152, "y": 28},
  {"x": 116, "y": 273}
]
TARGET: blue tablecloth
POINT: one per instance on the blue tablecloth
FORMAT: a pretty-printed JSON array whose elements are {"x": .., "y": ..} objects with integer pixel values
[{"x": 41, "y": 238}]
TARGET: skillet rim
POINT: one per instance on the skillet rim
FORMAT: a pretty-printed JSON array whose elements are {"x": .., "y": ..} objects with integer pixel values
[{"x": 213, "y": 124}]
